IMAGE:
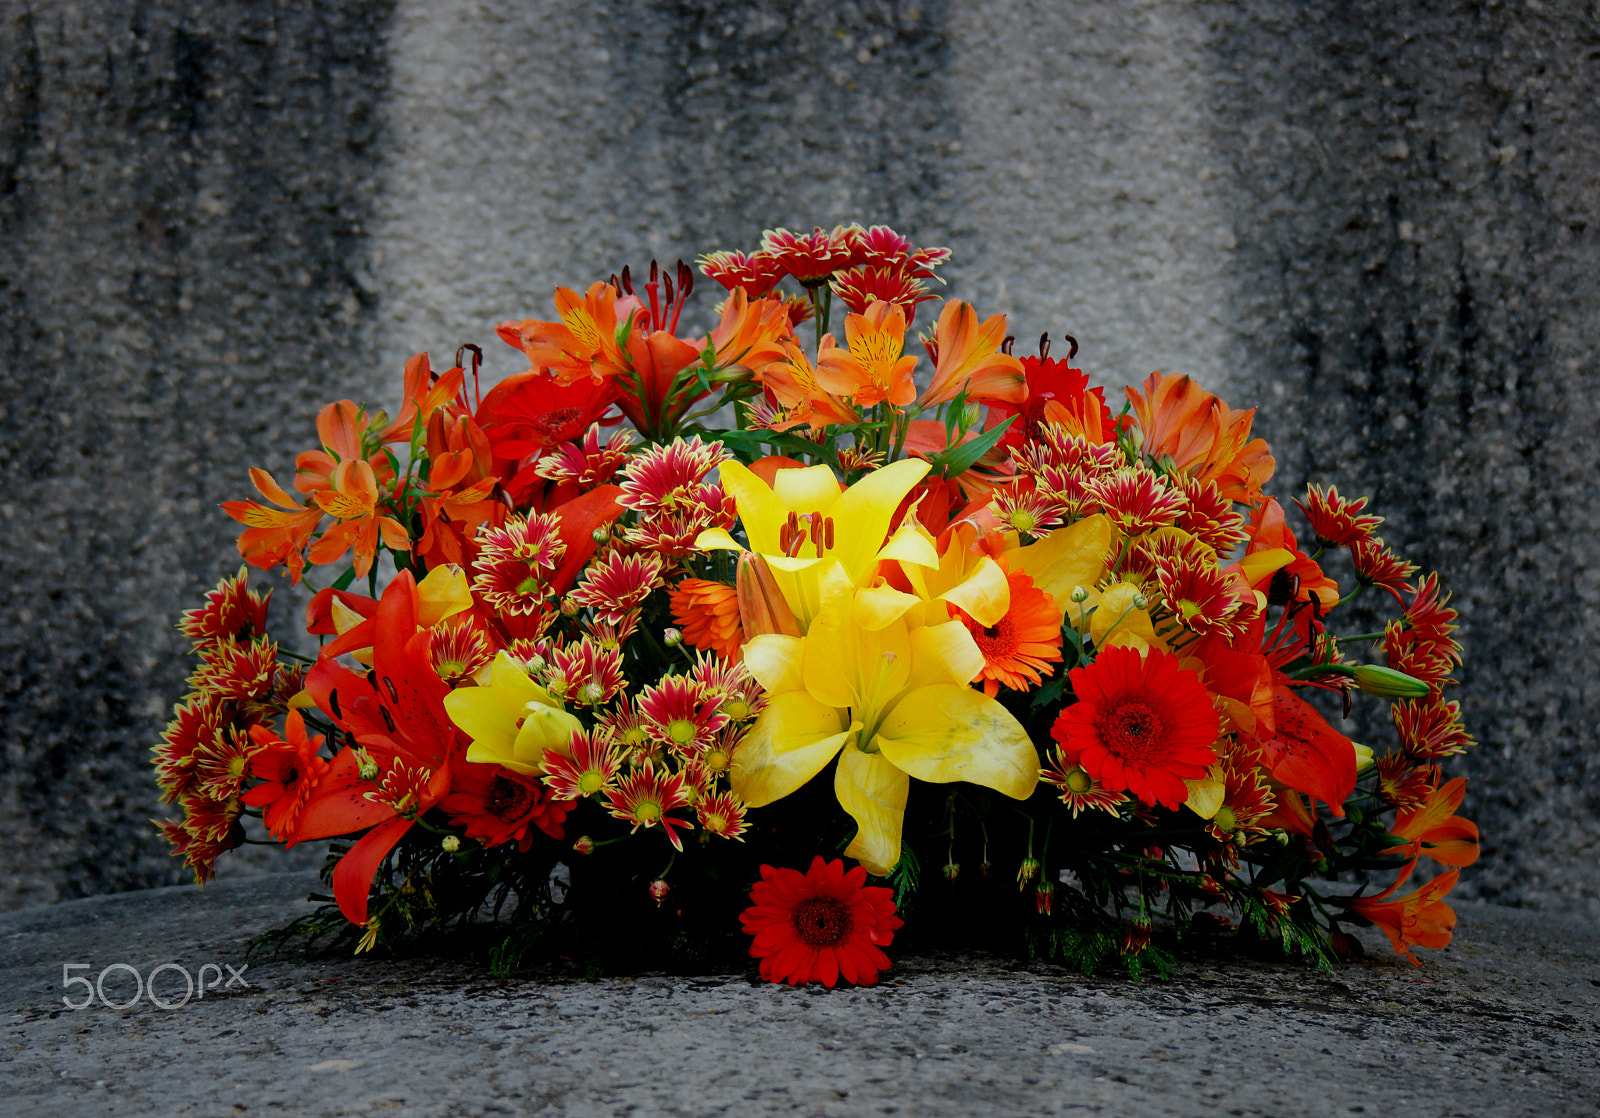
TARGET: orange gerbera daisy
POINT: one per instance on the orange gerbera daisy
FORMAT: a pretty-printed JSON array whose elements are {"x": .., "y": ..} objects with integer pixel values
[
  {"x": 821, "y": 925},
  {"x": 874, "y": 367},
  {"x": 708, "y": 614},
  {"x": 1020, "y": 647},
  {"x": 1141, "y": 723}
]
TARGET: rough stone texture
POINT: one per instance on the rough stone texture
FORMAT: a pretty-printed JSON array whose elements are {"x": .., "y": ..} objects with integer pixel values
[
  {"x": 1502, "y": 1023},
  {"x": 184, "y": 191},
  {"x": 1371, "y": 219}
]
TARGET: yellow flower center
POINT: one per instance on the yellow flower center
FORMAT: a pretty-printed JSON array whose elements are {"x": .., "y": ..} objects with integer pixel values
[
  {"x": 647, "y": 812},
  {"x": 736, "y": 709},
  {"x": 680, "y": 730},
  {"x": 1225, "y": 820},
  {"x": 1079, "y": 781},
  {"x": 589, "y": 783}
]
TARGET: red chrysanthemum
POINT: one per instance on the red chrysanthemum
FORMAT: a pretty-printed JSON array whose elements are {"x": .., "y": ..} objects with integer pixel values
[
  {"x": 1137, "y": 500},
  {"x": 616, "y": 584},
  {"x": 243, "y": 672},
  {"x": 645, "y": 797},
  {"x": 588, "y": 464},
  {"x": 681, "y": 714},
  {"x": 1210, "y": 517},
  {"x": 808, "y": 257},
  {"x": 859, "y": 288},
  {"x": 1431, "y": 727},
  {"x": 585, "y": 672},
  {"x": 1022, "y": 508},
  {"x": 882, "y": 247},
  {"x": 459, "y": 650},
  {"x": 1142, "y": 724},
  {"x": 672, "y": 478},
  {"x": 757, "y": 275},
  {"x": 1337, "y": 521},
  {"x": 231, "y": 612},
  {"x": 721, "y": 813},
  {"x": 589, "y": 769},
  {"x": 821, "y": 925},
  {"x": 1376, "y": 565}
]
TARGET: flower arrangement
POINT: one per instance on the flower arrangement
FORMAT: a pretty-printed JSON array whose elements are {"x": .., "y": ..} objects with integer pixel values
[{"x": 1044, "y": 668}]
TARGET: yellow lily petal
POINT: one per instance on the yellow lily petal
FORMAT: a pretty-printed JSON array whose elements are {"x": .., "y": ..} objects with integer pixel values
[
  {"x": 1263, "y": 563},
  {"x": 911, "y": 543},
  {"x": 489, "y": 716},
  {"x": 1206, "y": 794},
  {"x": 985, "y": 594},
  {"x": 543, "y": 728},
  {"x": 507, "y": 672},
  {"x": 879, "y": 606},
  {"x": 810, "y": 734},
  {"x": 716, "y": 539},
  {"x": 760, "y": 511},
  {"x": 345, "y": 619},
  {"x": 947, "y": 732},
  {"x": 847, "y": 666},
  {"x": 302, "y": 700},
  {"x": 944, "y": 653},
  {"x": 812, "y": 489},
  {"x": 861, "y": 514},
  {"x": 874, "y": 792},
  {"x": 774, "y": 660},
  {"x": 442, "y": 594},
  {"x": 1115, "y": 623},
  {"x": 1072, "y": 556}
]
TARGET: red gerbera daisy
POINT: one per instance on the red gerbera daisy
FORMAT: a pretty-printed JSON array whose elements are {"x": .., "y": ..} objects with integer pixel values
[
  {"x": 533, "y": 412},
  {"x": 1141, "y": 723},
  {"x": 821, "y": 925}
]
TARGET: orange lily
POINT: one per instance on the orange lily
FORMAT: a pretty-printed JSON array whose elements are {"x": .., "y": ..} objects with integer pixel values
[
  {"x": 1273, "y": 547},
  {"x": 274, "y": 535},
  {"x": 873, "y": 367},
  {"x": 353, "y": 500},
  {"x": 967, "y": 358}
]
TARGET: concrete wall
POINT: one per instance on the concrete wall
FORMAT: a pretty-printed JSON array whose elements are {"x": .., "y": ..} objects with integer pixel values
[{"x": 1371, "y": 219}]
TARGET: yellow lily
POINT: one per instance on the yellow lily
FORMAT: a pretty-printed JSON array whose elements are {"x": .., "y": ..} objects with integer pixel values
[
  {"x": 512, "y": 721},
  {"x": 1067, "y": 558},
  {"x": 963, "y": 576},
  {"x": 803, "y": 525},
  {"x": 891, "y": 703},
  {"x": 443, "y": 593}
]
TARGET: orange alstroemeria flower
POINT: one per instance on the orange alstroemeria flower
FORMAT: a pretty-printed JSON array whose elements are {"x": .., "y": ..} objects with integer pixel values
[
  {"x": 582, "y": 344},
  {"x": 353, "y": 500},
  {"x": 749, "y": 331},
  {"x": 1203, "y": 436},
  {"x": 1436, "y": 830},
  {"x": 274, "y": 535},
  {"x": 423, "y": 397},
  {"x": 787, "y": 374},
  {"x": 1419, "y": 919},
  {"x": 345, "y": 430},
  {"x": 873, "y": 367},
  {"x": 966, "y": 357}
]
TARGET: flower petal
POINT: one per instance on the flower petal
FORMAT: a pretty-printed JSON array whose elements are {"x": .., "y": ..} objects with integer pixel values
[
  {"x": 946, "y": 732},
  {"x": 809, "y": 733},
  {"x": 1074, "y": 556},
  {"x": 874, "y": 792}
]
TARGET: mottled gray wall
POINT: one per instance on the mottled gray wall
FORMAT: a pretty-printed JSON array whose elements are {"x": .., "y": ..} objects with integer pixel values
[{"x": 1370, "y": 219}]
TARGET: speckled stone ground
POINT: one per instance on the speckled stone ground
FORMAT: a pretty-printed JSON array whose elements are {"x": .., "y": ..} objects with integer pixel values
[{"x": 1504, "y": 1022}]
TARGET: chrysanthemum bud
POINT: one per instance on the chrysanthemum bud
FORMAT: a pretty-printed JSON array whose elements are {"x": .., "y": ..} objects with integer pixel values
[
  {"x": 1045, "y": 898},
  {"x": 1141, "y": 602},
  {"x": 601, "y": 534},
  {"x": 659, "y": 890},
  {"x": 450, "y": 843},
  {"x": 1079, "y": 595},
  {"x": 366, "y": 767},
  {"x": 569, "y": 607},
  {"x": 952, "y": 870},
  {"x": 583, "y": 844},
  {"x": 1027, "y": 871},
  {"x": 591, "y": 693},
  {"x": 1386, "y": 683},
  {"x": 672, "y": 638},
  {"x": 1137, "y": 939}
]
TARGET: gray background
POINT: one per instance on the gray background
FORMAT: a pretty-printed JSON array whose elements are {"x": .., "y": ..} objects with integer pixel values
[{"x": 1373, "y": 220}]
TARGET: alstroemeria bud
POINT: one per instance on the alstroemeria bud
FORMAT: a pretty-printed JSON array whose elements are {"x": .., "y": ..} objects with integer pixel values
[
  {"x": 1386, "y": 683},
  {"x": 762, "y": 606}
]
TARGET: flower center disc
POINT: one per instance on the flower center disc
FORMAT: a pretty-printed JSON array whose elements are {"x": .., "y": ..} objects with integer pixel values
[
  {"x": 508, "y": 799},
  {"x": 1132, "y": 730},
  {"x": 822, "y": 922}
]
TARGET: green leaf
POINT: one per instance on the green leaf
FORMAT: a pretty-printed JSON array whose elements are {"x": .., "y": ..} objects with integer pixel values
[
  {"x": 343, "y": 581},
  {"x": 958, "y": 460}
]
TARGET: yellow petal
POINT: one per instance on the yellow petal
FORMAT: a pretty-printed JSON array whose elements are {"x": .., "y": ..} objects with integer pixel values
[
  {"x": 912, "y": 544},
  {"x": 947, "y": 732},
  {"x": 944, "y": 653},
  {"x": 760, "y": 511},
  {"x": 489, "y": 716},
  {"x": 774, "y": 660},
  {"x": 302, "y": 700},
  {"x": 878, "y": 606},
  {"x": 1206, "y": 794},
  {"x": 442, "y": 594},
  {"x": 1073, "y": 556},
  {"x": 846, "y": 665},
  {"x": 984, "y": 594},
  {"x": 344, "y": 618},
  {"x": 508, "y": 673},
  {"x": 1263, "y": 563},
  {"x": 543, "y": 728},
  {"x": 1115, "y": 622},
  {"x": 716, "y": 539},
  {"x": 874, "y": 792},
  {"x": 812, "y": 489},
  {"x": 810, "y": 734},
  {"x": 861, "y": 515}
]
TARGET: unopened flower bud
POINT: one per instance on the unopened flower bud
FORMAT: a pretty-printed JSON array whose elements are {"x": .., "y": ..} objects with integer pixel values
[
  {"x": 569, "y": 607},
  {"x": 451, "y": 844},
  {"x": 970, "y": 415},
  {"x": 952, "y": 870},
  {"x": 762, "y": 607},
  {"x": 591, "y": 693},
  {"x": 1386, "y": 683},
  {"x": 366, "y": 767},
  {"x": 583, "y": 844},
  {"x": 1137, "y": 939},
  {"x": 1045, "y": 898},
  {"x": 1079, "y": 595},
  {"x": 671, "y": 638},
  {"x": 601, "y": 534},
  {"x": 1027, "y": 871},
  {"x": 1141, "y": 602},
  {"x": 659, "y": 890}
]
